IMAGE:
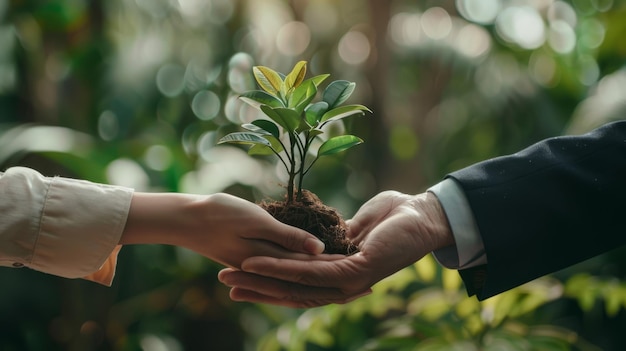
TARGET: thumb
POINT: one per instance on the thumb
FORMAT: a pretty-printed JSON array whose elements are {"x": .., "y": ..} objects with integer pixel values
[{"x": 298, "y": 240}]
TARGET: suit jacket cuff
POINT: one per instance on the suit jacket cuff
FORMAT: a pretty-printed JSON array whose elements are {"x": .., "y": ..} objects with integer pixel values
[{"x": 469, "y": 250}]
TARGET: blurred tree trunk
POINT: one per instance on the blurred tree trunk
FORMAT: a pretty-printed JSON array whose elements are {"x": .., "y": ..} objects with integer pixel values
[
  {"x": 378, "y": 159},
  {"x": 425, "y": 92}
]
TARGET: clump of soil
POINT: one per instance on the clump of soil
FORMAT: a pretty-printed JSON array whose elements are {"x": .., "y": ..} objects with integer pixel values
[{"x": 312, "y": 215}]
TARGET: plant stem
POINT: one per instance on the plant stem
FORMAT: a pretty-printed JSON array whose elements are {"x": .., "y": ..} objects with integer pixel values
[
  {"x": 301, "y": 171},
  {"x": 292, "y": 170},
  {"x": 278, "y": 154}
]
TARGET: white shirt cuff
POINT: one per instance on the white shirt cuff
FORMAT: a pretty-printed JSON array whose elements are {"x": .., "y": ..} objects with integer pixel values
[
  {"x": 469, "y": 250},
  {"x": 61, "y": 226},
  {"x": 81, "y": 225}
]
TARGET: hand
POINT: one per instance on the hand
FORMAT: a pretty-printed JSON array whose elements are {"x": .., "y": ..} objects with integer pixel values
[
  {"x": 222, "y": 227},
  {"x": 392, "y": 231}
]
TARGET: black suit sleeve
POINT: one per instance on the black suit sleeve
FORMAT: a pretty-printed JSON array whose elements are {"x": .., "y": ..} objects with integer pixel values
[{"x": 554, "y": 204}]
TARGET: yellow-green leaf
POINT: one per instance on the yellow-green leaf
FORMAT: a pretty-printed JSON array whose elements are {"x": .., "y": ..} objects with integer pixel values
[
  {"x": 260, "y": 150},
  {"x": 268, "y": 79},
  {"x": 302, "y": 96},
  {"x": 296, "y": 76},
  {"x": 317, "y": 80}
]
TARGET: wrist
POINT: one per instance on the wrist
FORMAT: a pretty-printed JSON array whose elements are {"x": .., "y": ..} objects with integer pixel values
[
  {"x": 160, "y": 218},
  {"x": 434, "y": 220}
]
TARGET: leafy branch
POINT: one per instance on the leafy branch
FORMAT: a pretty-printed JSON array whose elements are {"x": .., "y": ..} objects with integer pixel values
[{"x": 295, "y": 121}]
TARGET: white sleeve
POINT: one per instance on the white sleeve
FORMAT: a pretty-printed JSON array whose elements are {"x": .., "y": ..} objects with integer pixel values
[
  {"x": 60, "y": 226},
  {"x": 469, "y": 250}
]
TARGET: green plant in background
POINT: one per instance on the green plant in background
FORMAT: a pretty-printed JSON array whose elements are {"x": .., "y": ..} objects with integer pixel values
[
  {"x": 463, "y": 109},
  {"x": 295, "y": 121},
  {"x": 424, "y": 307}
]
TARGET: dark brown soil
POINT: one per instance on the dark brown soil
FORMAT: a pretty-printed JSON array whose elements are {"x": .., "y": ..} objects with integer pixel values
[{"x": 315, "y": 217}]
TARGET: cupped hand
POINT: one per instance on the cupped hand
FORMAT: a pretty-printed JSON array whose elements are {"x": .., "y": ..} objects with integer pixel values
[
  {"x": 392, "y": 231},
  {"x": 222, "y": 227},
  {"x": 240, "y": 229}
]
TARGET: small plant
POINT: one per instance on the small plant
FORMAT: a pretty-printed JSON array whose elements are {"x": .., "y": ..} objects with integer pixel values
[
  {"x": 287, "y": 101},
  {"x": 294, "y": 122}
]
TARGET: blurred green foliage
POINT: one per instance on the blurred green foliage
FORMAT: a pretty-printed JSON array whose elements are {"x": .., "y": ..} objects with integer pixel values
[{"x": 137, "y": 92}]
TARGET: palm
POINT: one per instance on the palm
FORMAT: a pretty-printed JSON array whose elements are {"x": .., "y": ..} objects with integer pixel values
[{"x": 392, "y": 232}]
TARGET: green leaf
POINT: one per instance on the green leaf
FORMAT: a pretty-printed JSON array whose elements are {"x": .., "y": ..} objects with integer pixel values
[
  {"x": 244, "y": 138},
  {"x": 268, "y": 79},
  {"x": 338, "y": 144},
  {"x": 264, "y": 150},
  {"x": 338, "y": 92},
  {"x": 315, "y": 111},
  {"x": 267, "y": 126},
  {"x": 276, "y": 145},
  {"x": 315, "y": 132},
  {"x": 317, "y": 80},
  {"x": 296, "y": 76},
  {"x": 253, "y": 128},
  {"x": 285, "y": 117},
  {"x": 302, "y": 96},
  {"x": 256, "y": 98},
  {"x": 343, "y": 112},
  {"x": 260, "y": 150},
  {"x": 304, "y": 126}
]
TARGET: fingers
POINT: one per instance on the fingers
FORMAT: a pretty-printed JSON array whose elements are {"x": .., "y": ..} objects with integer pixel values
[
  {"x": 254, "y": 288},
  {"x": 345, "y": 273},
  {"x": 370, "y": 215},
  {"x": 293, "y": 239},
  {"x": 238, "y": 294}
]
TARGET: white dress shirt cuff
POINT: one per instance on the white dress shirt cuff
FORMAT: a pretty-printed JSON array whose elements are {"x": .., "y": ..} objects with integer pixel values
[
  {"x": 61, "y": 226},
  {"x": 81, "y": 226},
  {"x": 468, "y": 250}
]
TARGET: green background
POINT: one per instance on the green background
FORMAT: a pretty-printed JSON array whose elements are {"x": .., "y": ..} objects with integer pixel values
[{"x": 137, "y": 92}]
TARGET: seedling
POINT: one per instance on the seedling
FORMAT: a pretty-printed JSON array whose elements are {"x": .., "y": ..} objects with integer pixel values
[
  {"x": 295, "y": 121},
  {"x": 292, "y": 125}
]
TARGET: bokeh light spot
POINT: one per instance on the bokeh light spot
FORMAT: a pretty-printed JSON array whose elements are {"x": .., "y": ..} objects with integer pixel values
[
  {"x": 406, "y": 29},
  {"x": 108, "y": 125},
  {"x": 240, "y": 76},
  {"x": 589, "y": 71},
  {"x": 158, "y": 157},
  {"x": 205, "y": 105},
  {"x": 170, "y": 79},
  {"x": 221, "y": 11},
  {"x": 436, "y": 23},
  {"x": 592, "y": 33},
  {"x": 561, "y": 37},
  {"x": 542, "y": 69},
  {"x": 562, "y": 11},
  {"x": 128, "y": 173},
  {"x": 473, "y": 41},
  {"x": 354, "y": 48},
  {"x": 479, "y": 11},
  {"x": 293, "y": 38},
  {"x": 522, "y": 26}
]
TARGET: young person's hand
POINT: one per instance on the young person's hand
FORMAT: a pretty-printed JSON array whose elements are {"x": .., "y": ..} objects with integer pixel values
[
  {"x": 222, "y": 227},
  {"x": 392, "y": 231}
]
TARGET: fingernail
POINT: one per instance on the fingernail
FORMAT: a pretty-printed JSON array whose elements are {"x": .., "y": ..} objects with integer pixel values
[{"x": 314, "y": 246}]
